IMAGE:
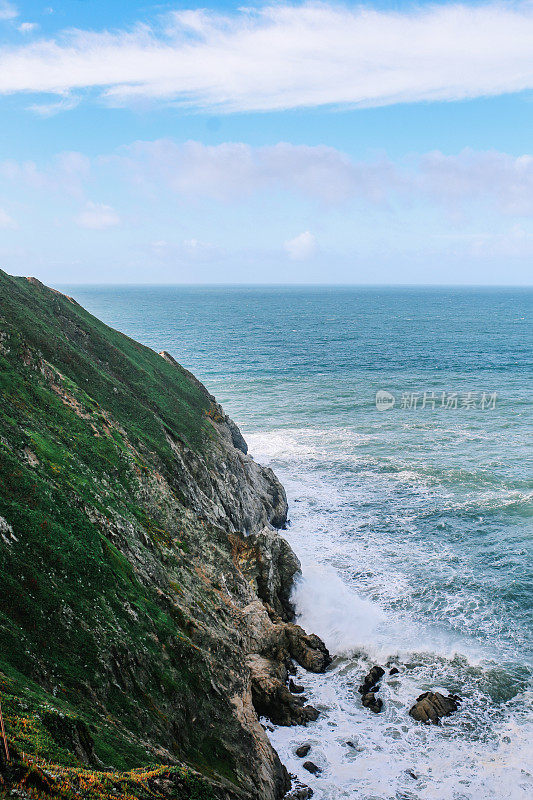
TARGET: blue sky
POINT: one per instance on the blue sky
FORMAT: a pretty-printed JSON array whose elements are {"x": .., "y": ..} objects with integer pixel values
[{"x": 346, "y": 143}]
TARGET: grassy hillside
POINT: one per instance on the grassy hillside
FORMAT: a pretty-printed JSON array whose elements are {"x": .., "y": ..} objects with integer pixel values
[{"x": 106, "y": 654}]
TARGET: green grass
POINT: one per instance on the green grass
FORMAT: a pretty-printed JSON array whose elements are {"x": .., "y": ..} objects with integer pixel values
[{"x": 85, "y": 419}]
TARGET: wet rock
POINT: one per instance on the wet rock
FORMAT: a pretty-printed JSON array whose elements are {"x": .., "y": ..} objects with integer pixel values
[
  {"x": 372, "y": 702},
  {"x": 371, "y": 680},
  {"x": 431, "y": 706},
  {"x": 411, "y": 774},
  {"x": 350, "y": 744},
  {"x": 309, "y": 651},
  {"x": 312, "y": 768},
  {"x": 303, "y": 750},
  {"x": 300, "y": 792},
  {"x": 394, "y": 671},
  {"x": 311, "y": 713},
  {"x": 271, "y": 697},
  {"x": 296, "y": 688}
]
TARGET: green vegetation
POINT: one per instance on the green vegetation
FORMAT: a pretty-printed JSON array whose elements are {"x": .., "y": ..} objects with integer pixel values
[{"x": 96, "y": 663}]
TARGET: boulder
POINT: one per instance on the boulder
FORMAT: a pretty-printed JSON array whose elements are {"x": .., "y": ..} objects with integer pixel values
[
  {"x": 431, "y": 706},
  {"x": 312, "y": 768},
  {"x": 372, "y": 702},
  {"x": 371, "y": 680},
  {"x": 303, "y": 750}
]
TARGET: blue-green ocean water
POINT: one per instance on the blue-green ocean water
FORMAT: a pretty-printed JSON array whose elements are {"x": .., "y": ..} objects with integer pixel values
[{"x": 414, "y": 525}]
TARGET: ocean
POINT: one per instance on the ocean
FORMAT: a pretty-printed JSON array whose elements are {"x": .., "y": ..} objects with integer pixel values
[{"x": 413, "y": 521}]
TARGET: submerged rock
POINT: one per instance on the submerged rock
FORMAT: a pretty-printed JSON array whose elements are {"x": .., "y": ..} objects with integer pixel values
[
  {"x": 431, "y": 706},
  {"x": 312, "y": 768}
]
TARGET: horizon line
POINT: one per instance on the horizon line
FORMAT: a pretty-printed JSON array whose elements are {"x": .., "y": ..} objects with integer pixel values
[{"x": 301, "y": 285}]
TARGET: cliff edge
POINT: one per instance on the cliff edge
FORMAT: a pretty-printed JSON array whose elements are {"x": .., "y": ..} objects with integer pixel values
[{"x": 145, "y": 614}]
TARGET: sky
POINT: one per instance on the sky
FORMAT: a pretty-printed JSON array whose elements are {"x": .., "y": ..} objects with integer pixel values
[{"x": 352, "y": 143}]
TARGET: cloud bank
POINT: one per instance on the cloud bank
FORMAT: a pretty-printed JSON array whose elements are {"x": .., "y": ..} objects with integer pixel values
[
  {"x": 234, "y": 172},
  {"x": 284, "y": 56}
]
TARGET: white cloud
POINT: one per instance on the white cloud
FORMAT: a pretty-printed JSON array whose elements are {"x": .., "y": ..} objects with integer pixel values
[
  {"x": 66, "y": 173},
  {"x": 504, "y": 180},
  {"x": 66, "y": 103},
  {"x": 167, "y": 171},
  {"x": 98, "y": 216},
  {"x": 8, "y": 10},
  {"x": 7, "y": 222},
  {"x": 286, "y": 56},
  {"x": 234, "y": 170},
  {"x": 302, "y": 247},
  {"x": 198, "y": 250},
  {"x": 28, "y": 27}
]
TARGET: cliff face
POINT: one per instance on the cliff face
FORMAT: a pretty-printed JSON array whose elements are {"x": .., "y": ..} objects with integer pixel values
[{"x": 145, "y": 605}]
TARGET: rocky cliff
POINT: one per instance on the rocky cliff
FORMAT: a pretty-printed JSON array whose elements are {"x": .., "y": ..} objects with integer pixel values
[{"x": 145, "y": 614}]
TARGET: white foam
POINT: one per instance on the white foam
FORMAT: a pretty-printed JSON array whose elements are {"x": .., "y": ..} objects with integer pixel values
[{"x": 364, "y": 559}]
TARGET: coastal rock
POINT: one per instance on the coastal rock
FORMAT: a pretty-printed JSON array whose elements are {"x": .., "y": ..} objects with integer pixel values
[
  {"x": 372, "y": 702},
  {"x": 269, "y": 562},
  {"x": 431, "y": 706},
  {"x": 308, "y": 650},
  {"x": 72, "y": 734},
  {"x": 296, "y": 688},
  {"x": 154, "y": 543},
  {"x": 394, "y": 671},
  {"x": 371, "y": 680},
  {"x": 312, "y": 768},
  {"x": 271, "y": 697},
  {"x": 300, "y": 792},
  {"x": 303, "y": 750}
]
